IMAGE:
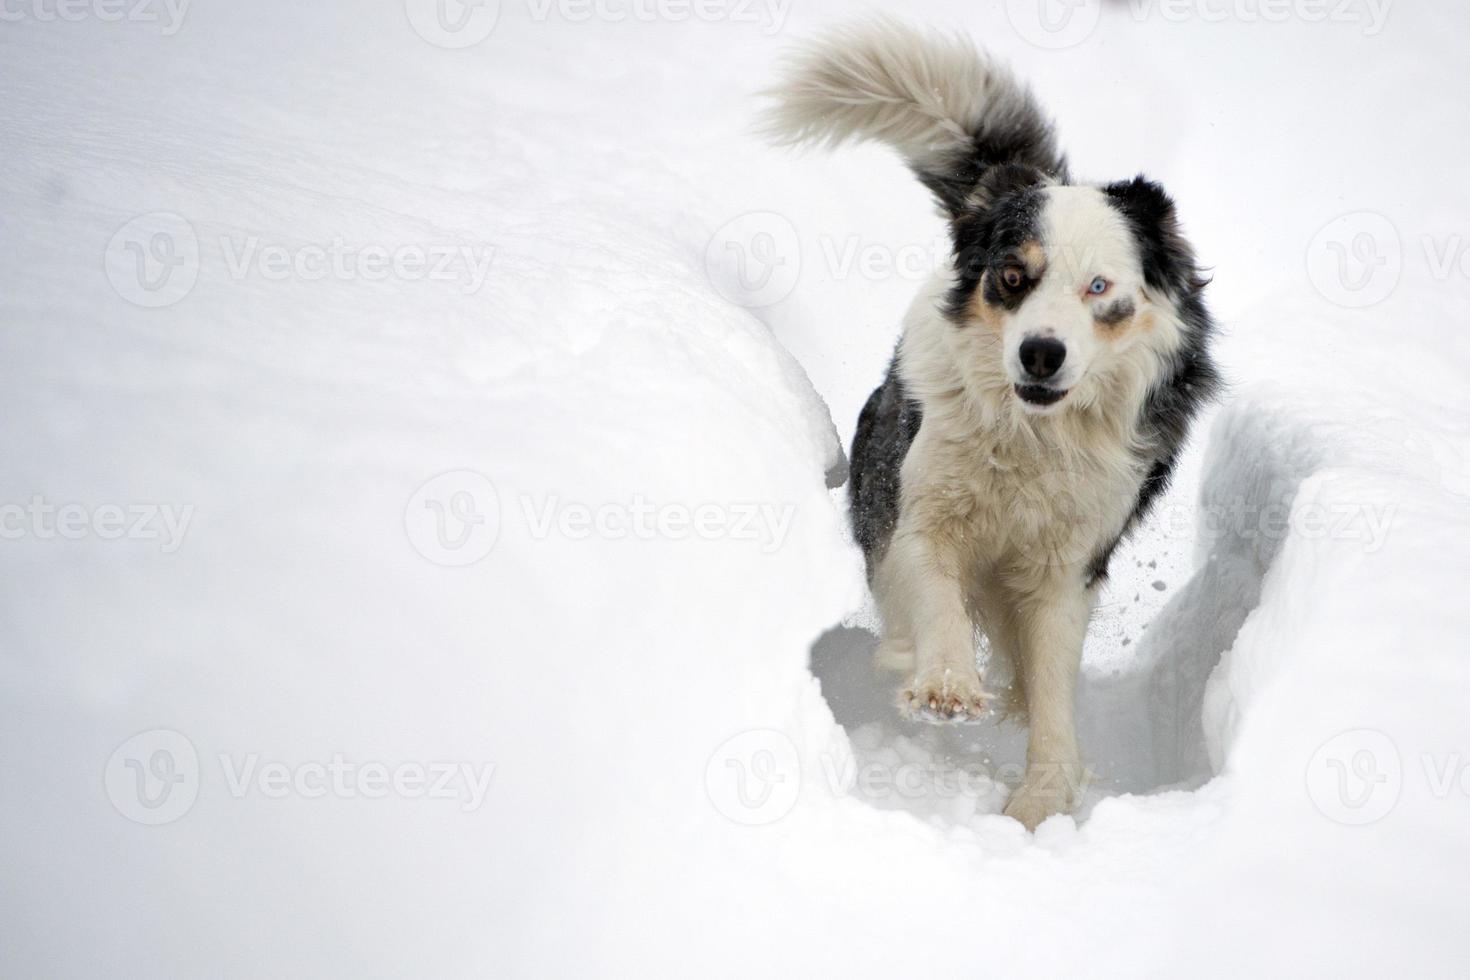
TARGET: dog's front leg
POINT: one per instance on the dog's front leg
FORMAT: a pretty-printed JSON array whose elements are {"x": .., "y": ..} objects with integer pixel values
[
  {"x": 1051, "y": 627},
  {"x": 927, "y": 594}
]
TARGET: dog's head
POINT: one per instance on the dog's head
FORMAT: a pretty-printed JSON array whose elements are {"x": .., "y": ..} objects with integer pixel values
[{"x": 1076, "y": 284}]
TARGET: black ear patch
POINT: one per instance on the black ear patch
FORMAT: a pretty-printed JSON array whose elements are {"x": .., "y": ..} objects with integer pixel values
[
  {"x": 1002, "y": 181},
  {"x": 1018, "y": 141},
  {"x": 1002, "y": 214},
  {"x": 1168, "y": 261},
  {"x": 1001, "y": 211}
]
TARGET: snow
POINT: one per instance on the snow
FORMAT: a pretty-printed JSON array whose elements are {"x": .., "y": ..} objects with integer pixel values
[{"x": 444, "y": 541}]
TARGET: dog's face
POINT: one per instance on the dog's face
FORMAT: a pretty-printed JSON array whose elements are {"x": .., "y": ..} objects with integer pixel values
[{"x": 1070, "y": 279}]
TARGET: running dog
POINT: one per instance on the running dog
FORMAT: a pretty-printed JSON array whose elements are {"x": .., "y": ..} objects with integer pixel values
[{"x": 1040, "y": 394}]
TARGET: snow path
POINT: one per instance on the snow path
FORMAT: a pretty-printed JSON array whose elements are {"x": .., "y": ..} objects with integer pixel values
[{"x": 666, "y": 783}]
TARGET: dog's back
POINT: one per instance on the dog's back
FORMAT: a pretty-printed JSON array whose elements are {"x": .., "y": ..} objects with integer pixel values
[{"x": 886, "y": 428}]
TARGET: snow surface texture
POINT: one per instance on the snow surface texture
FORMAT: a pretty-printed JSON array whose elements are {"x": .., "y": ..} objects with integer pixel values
[{"x": 463, "y": 618}]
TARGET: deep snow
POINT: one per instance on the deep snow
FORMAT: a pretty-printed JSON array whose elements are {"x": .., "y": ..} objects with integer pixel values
[{"x": 452, "y": 540}]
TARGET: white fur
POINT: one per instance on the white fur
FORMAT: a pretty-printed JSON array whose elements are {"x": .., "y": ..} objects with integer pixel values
[
  {"x": 923, "y": 94},
  {"x": 1085, "y": 238},
  {"x": 1003, "y": 509}
]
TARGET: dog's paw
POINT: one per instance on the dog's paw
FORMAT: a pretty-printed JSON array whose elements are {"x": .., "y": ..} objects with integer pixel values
[
  {"x": 1033, "y": 801},
  {"x": 945, "y": 694}
]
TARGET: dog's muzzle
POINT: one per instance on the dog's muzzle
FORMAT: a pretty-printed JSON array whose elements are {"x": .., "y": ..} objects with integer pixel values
[{"x": 1040, "y": 395}]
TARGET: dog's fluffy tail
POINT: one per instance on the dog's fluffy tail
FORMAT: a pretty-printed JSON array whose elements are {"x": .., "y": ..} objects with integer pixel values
[{"x": 947, "y": 108}]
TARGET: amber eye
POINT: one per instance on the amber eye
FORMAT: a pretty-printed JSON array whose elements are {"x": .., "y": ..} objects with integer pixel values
[{"x": 1013, "y": 276}]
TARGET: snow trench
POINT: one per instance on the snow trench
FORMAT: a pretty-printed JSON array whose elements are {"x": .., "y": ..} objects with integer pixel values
[{"x": 1144, "y": 719}]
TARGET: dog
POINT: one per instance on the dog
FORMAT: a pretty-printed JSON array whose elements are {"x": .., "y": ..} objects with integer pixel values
[{"x": 1039, "y": 396}]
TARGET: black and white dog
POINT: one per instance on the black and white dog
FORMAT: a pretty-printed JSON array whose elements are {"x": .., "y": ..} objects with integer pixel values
[{"x": 1038, "y": 398}]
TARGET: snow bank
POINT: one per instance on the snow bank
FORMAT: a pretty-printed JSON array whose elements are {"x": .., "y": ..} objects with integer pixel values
[{"x": 645, "y": 463}]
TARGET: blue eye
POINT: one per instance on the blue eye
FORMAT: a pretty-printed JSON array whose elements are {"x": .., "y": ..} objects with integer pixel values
[{"x": 1099, "y": 286}]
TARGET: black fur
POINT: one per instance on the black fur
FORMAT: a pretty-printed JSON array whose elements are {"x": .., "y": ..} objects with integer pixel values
[
  {"x": 1111, "y": 316},
  {"x": 1168, "y": 261},
  {"x": 1192, "y": 380},
  {"x": 1021, "y": 138},
  {"x": 988, "y": 236},
  {"x": 886, "y": 428},
  {"x": 989, "y": 189}
]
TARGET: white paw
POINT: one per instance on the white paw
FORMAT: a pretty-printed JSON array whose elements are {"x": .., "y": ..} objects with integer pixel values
[
  {"x": 1040, "y": 797},
  {"x": 948, "y": 693}
]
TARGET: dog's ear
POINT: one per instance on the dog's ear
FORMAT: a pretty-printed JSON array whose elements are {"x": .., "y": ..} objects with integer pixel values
[
  {"x": 1001, "y": 205},
  {"x": 996, "y": 185},
  {"x": 1168, "y": 260},
  {"x": 1003, "y": 181}
]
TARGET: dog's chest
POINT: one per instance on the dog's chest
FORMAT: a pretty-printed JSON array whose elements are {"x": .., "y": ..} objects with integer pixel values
[{"x": 1011, "y": 504}]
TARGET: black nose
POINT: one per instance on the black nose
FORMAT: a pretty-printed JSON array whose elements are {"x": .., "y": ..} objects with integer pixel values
[{"x": 1042, "y": 357}]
